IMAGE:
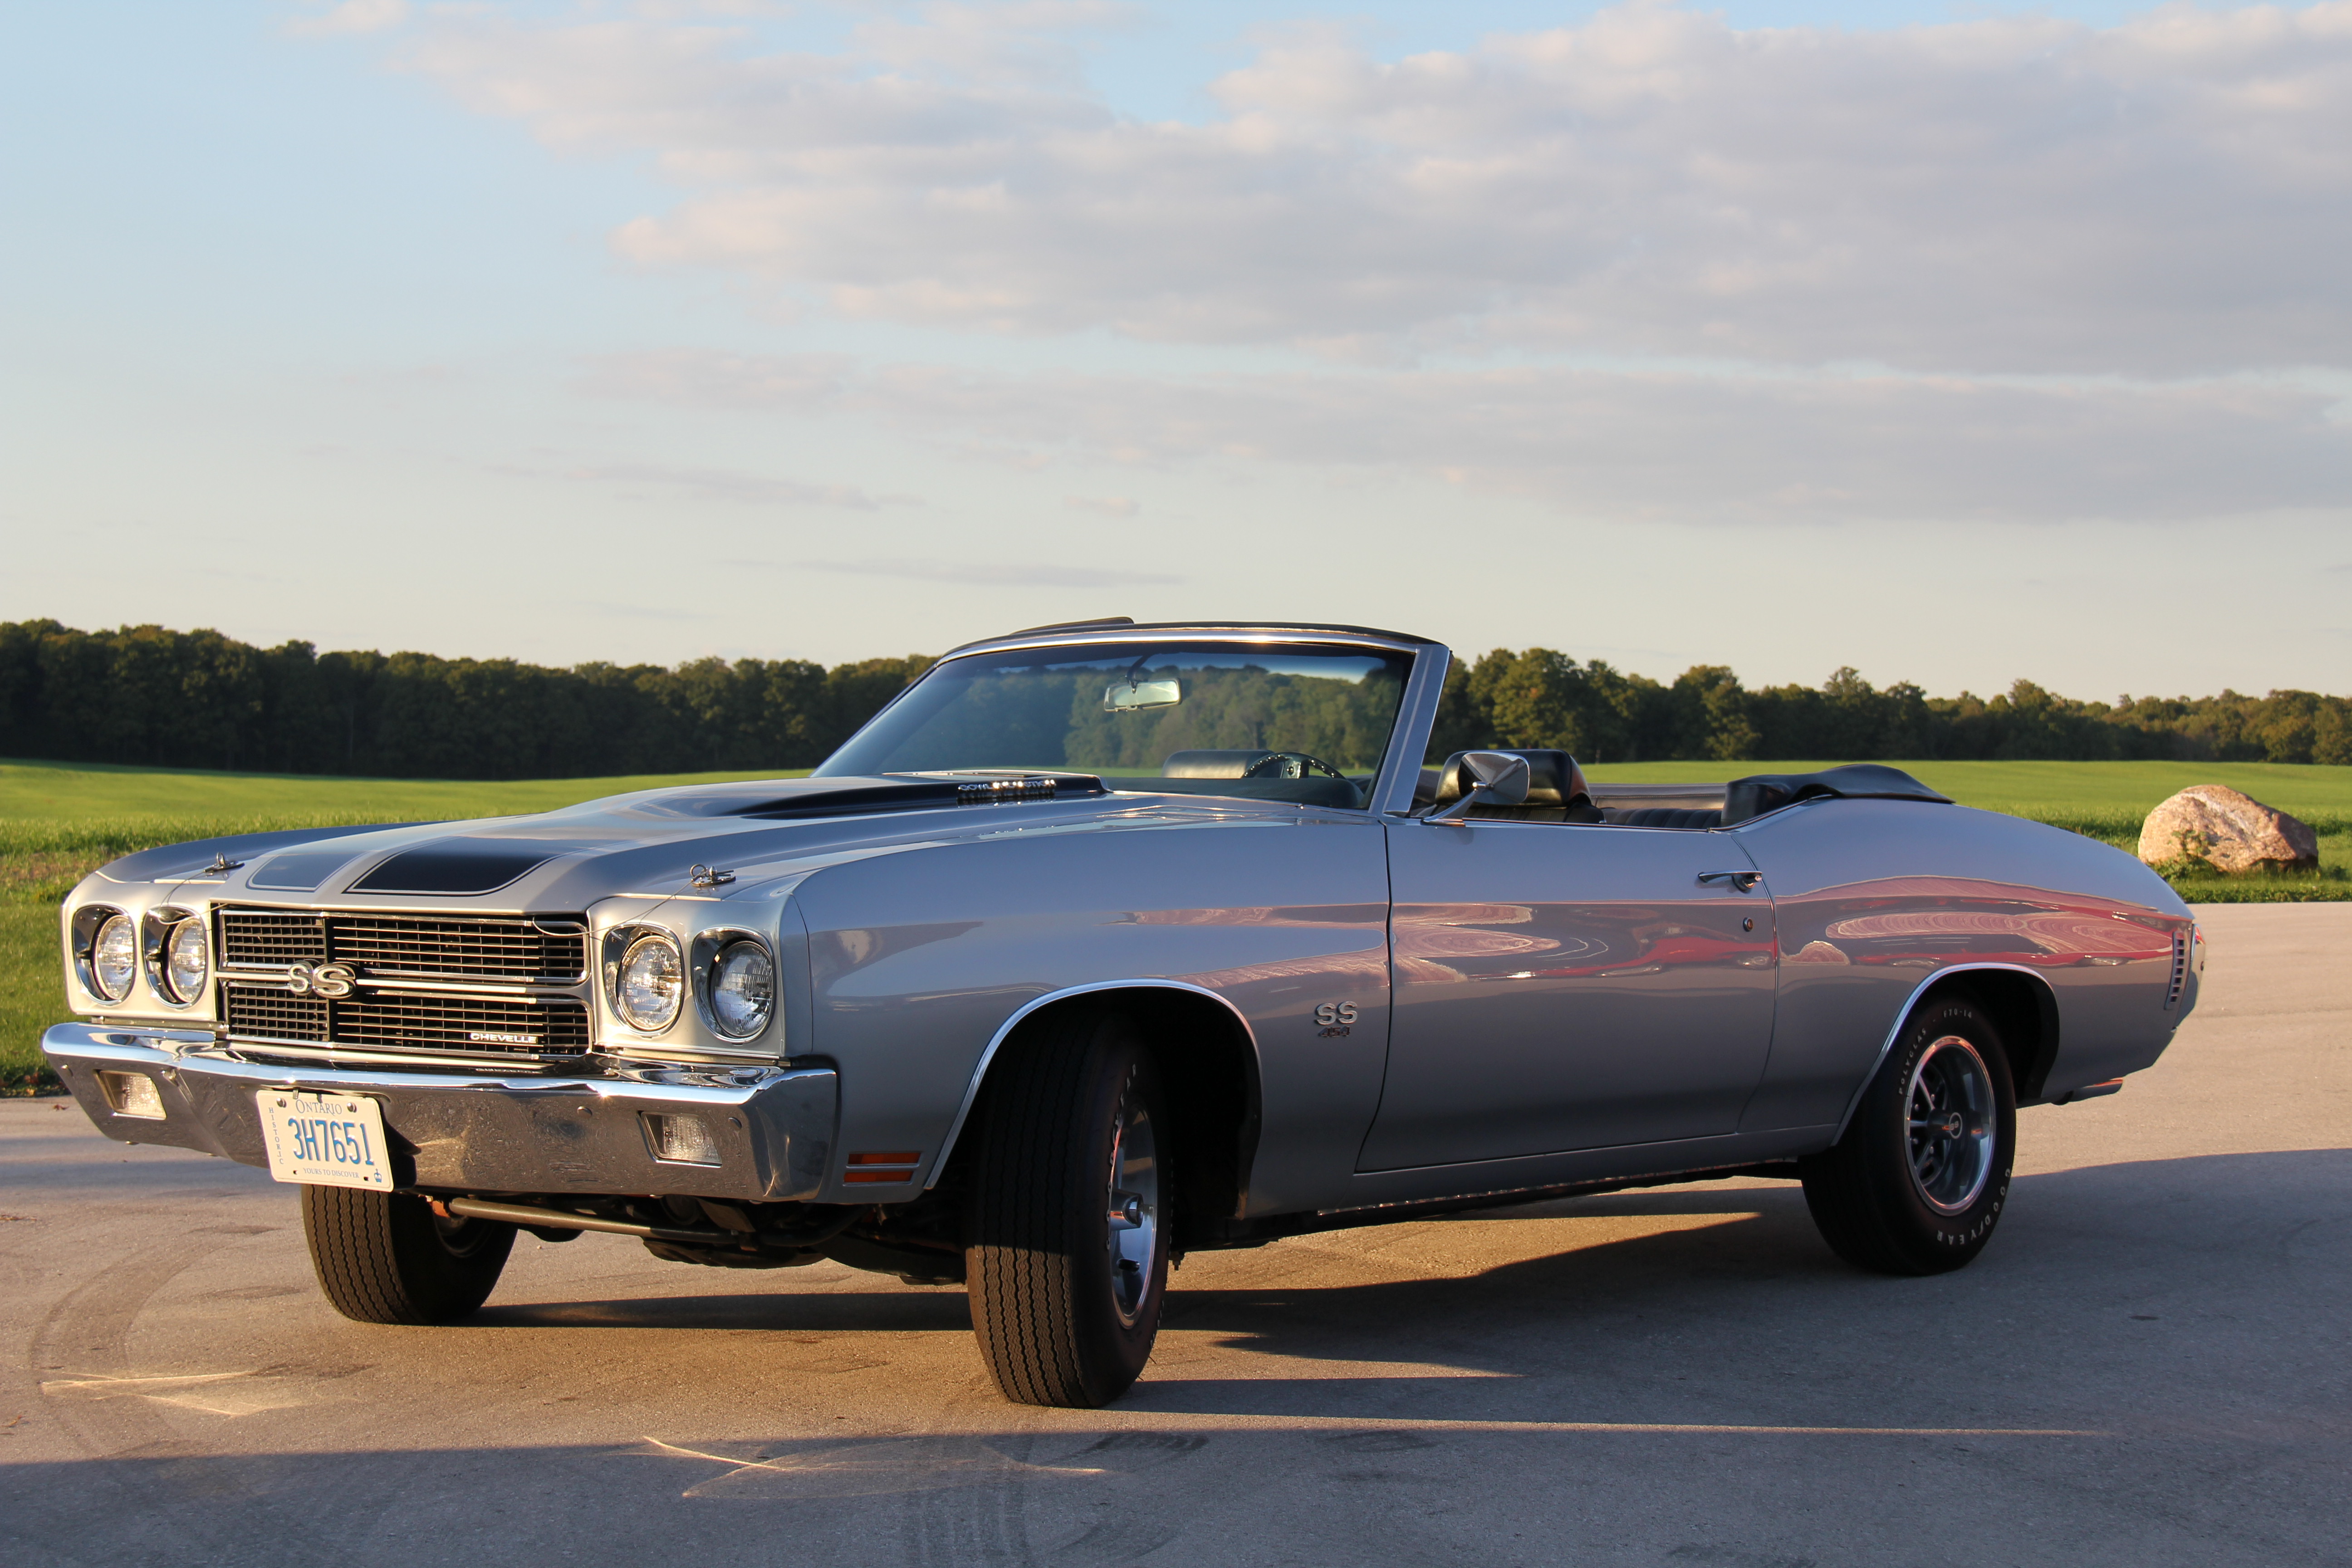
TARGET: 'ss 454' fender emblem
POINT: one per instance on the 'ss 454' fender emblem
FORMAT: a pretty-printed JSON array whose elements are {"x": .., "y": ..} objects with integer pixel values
[{"x": 1332, "y": 1012}]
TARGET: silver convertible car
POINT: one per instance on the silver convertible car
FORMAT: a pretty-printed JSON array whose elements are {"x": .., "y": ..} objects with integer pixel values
[{"x": 1102, "y": 944}]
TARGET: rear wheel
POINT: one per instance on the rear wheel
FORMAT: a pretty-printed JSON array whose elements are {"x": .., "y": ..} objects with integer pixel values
[
  {"x": 387, "y": 1257},
  {"x": 1920, "y": 1179},
  {"x": 1068, "y": 1249}
]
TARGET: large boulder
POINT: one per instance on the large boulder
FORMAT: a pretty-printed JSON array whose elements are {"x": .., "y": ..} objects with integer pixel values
[{"x": 2229, "y": 831}]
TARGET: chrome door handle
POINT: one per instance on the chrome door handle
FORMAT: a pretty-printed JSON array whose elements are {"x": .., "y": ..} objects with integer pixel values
[{"x": 1741, "y": 881}]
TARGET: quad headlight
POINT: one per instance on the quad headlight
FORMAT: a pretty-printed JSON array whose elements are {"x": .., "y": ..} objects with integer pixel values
[
  {"x": 113, "y": 958},
  {"x": 651, "y": 983},
  {"x": 187, "y": 960},
  {"x": 742, "y": 990}
]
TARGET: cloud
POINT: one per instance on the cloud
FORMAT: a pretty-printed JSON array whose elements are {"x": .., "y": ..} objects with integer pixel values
[
  {"x": 719, "y": 484},
  {"x": 1025, "y": 42},
  {"x": 2019, "y": 195},
  {"x": 718, "y": 381},
  {"x": 998, "y": 574},
  {"x": 1103, "y": 506},
  {"x": 1690, "y": 447},
  {"x": 352, "y": 17}
]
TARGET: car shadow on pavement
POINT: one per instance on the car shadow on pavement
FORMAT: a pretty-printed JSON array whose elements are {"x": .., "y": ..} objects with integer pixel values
[
  {"x": 2230, "y": 1262},
  {"x": 911, "y": 1309},
  {"x": 1467, "y": 1318},
  {"x": 1617, "y": 1384}
]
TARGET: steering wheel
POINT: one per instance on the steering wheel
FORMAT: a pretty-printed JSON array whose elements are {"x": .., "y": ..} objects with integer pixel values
[{"x": 1291, "y": 765}]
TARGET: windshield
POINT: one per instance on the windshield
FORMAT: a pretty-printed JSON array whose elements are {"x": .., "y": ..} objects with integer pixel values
[{"x": 1306, "y": 724}]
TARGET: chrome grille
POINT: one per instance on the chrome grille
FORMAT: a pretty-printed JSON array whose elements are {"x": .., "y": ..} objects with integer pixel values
[
  {"x": 474, "y": 985},
  {"x": 493, "y": 1025},
  {"x": 2179, "y": 970},
  {"x": 476, "y": 1026},
  {"x": 271, "y": 938},
  {"x": 408, "y": 947},
  {"x": 275, "y": 1015}
]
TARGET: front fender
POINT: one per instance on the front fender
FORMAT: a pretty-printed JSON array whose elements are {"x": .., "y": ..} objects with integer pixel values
[{"x": 921, "y": 964}]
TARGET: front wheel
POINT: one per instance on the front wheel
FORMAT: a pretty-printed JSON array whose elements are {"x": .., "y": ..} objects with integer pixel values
[
  {"x": 1067, "y": 1260},
  {"x": 387, "y": 1257},
  {"x": 1918, "y": 1181}
]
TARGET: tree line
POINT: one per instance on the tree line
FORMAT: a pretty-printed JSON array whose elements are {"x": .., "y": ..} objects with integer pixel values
[
  {"x": 151, "y": 696},
  {"x": 1540, "y": 698},
  {"x": 148, "y": 695}
]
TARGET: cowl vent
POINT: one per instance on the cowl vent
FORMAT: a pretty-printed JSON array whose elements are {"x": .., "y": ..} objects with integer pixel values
[{"x": 856, "y": 796}]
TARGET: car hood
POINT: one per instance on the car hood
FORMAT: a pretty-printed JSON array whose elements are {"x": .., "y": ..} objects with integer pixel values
[{"x": 651, "y": 842}]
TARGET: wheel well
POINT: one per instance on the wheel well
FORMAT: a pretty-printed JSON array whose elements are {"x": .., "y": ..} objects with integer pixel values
[
  {"x": 1208, "y": 1070},
  {"x": 2025, "y": 1012}
]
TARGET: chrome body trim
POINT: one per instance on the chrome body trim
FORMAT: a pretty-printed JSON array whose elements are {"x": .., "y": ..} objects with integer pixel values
[
  {"x": 1903, "y": 1017},
  {"x": 258, "y": 1047},
  {"x": 1345, "y": 637},
  {"x": 480, "y": 1133},
  {"x": 1399, "y": 772},
  {"x": 1004, "y": 1030}
]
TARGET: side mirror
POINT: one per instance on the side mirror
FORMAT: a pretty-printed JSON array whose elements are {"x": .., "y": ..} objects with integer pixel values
[{"x": 1497, "y": 779}]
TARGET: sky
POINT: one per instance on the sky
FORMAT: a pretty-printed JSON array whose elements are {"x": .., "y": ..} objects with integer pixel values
[{"x": 1956, "y": 343}]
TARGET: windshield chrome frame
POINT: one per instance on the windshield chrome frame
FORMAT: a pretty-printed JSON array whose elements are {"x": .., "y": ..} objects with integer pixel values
[{"x": 1399, "y": 769}]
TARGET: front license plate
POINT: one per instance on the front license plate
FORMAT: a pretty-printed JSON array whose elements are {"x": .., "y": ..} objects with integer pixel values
[{"x": 324, "y": 1139}]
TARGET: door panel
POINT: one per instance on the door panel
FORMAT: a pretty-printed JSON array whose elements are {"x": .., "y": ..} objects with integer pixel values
[{"x": 1562, "y": 986}]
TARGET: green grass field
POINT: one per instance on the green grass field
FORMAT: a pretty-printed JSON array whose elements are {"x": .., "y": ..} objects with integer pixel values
[{"x": 58, "y": 822}]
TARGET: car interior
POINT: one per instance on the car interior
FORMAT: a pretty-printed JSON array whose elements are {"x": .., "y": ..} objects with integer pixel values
[{"x": 1558, "y": 792}]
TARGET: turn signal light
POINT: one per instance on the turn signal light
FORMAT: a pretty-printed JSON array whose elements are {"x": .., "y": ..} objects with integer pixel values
[
  {"x": 132, "y": 1094},
  {"x": 681, "y": 1140}
]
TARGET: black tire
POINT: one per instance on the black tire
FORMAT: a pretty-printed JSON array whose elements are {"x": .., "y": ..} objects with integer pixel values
[
  {"x": 385, "y": 1257},
  {"x": 1918, "y": 1182},
  {"x": 1066, "y": 1295}
]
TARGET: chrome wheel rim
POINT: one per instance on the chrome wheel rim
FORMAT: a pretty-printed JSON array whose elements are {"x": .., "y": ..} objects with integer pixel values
[
  {"x": 1133, "y": 1206},
  {"x": 1951, "y": 1125}
]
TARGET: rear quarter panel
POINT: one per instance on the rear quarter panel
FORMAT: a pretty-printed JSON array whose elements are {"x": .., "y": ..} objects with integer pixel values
[
  {"x": 917, "y": 961},
  {"x": 1874, "y": 898}
]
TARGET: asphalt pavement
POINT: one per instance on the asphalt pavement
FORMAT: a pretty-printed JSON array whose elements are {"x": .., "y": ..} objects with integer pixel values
[{"x": 2148, "y": 1365}]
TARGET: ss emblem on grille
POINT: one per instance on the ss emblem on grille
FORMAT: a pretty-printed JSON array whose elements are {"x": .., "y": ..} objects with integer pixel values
[{"x": 329, "y": 980}]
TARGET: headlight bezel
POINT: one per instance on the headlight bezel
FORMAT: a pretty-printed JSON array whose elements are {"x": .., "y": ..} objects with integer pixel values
[
  {"x": 90, "y": 923},
  {"x": 159, "y": 935},
  {"x": 713, "y": 951},
  {"x": 632, "y": 942}
]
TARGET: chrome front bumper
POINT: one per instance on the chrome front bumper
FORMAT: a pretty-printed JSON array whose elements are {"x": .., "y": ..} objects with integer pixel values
[{"x": 774, "y": 1127}]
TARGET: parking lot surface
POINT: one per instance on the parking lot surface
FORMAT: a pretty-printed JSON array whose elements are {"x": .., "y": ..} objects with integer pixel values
[{"x": 2148, "y": 1365}]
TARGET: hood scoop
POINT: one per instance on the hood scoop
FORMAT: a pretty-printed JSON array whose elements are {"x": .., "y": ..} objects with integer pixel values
[
  {"x": 461, "y": 866},
  {"x": 794, "y": 799},
  {"x": 298, "y": 872}
]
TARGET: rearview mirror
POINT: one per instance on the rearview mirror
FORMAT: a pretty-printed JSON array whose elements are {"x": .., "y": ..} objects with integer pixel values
[{"x": 1129, "y": 695}]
